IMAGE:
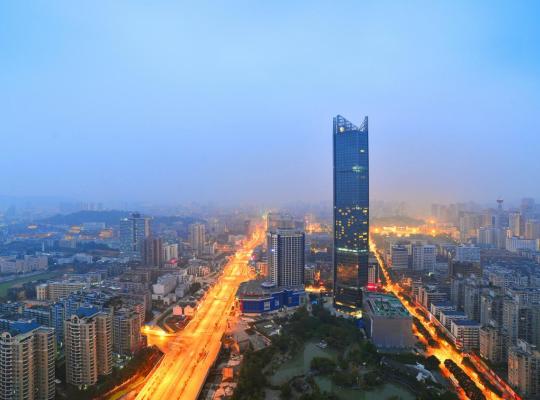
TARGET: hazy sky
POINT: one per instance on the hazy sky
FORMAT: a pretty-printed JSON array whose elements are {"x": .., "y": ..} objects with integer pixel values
[{"x": 169, "y": 101}]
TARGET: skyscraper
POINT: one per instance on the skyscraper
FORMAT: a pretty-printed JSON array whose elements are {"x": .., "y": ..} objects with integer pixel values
[
  {"x": 151, "y": 251},
  {"x": 286, "y": 258},
  {"x": 351, "y": 212},
  {"x": 133, "y": 231},
  {"x": 197, "y": 238}
]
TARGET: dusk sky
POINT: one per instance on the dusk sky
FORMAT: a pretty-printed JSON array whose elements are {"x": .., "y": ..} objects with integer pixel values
[{"x": 167, "y": 101}]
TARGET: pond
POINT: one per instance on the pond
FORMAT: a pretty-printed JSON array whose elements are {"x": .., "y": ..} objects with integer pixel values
[{"x": 299, "y": 365}]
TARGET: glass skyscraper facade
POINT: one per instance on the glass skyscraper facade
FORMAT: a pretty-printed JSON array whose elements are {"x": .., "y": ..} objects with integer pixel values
[{"x": 351, "y": 212}]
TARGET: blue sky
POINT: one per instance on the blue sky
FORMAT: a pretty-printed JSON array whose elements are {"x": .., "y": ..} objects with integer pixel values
[{"x": 169, "y": 101}]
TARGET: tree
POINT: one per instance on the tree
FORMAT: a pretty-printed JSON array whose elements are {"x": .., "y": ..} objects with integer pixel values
[
  {"x": 432, "y": 363},
  {"x": 323, "y": 365},
  {"x": 285, "y": 391}
]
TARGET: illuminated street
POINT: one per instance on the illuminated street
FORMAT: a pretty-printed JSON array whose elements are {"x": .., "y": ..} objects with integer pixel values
[
  {"x": 191, "y": 353},
  {"x": 445, "y": 349}
]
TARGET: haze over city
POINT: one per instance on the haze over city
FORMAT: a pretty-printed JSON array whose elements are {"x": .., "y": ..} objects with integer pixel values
[
  {"x": 269, "y": 200},
  {"x": 165, "y": 102}
]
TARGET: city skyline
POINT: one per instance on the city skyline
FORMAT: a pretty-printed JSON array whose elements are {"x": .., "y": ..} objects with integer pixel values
[{"x": 116, "y": 94}]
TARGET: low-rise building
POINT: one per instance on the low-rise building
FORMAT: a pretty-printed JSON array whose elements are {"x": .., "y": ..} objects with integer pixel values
[
  {"x": 387, "y": 322},
  {"x": 258, "y": 297}
]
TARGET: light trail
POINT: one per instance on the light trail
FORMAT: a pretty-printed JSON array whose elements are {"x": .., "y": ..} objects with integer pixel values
[
  {"x": 192, "y": 352},
  {"x": 445, "y": 349}
]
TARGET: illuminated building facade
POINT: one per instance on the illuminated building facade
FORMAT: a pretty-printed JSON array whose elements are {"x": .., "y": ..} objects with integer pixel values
[
  {"x": 351, "y": 213},
  {"x": 286, "y": 258},
  {"x": 133, "y": 231}
]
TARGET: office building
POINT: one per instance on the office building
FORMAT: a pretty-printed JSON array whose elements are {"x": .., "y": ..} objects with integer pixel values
[
  {"x": 286, "y": 257},
  {"x": 151, "y": 252},
  {"x": 133, "y": 230},
  {"x": 351, "y": 212},
  {"x": 27, "y": 356},
  {"x": 197, "y": 238},
  {"x": 524, "y": 369},
  {"x": 399, "y": 257},
  {"x": 88, "y": 346},
  {"x": 423, "y": 257},
  {"x": 387, "y": 322}
]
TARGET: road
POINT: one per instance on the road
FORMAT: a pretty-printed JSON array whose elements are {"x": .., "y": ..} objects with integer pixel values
[
  {"x": 192, "y": 352},
  {"x": 445, "y": 350}
]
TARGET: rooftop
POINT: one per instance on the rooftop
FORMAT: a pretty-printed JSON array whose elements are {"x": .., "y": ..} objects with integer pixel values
[
  {"x": 258, "y": 288},
  {"x": 385, "y": 305},
  {"x": 454, "y": 313},
  {"x": 466, "y": 322}
]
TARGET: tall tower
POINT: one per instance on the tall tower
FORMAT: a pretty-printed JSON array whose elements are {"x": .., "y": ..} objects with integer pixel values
[
  {"x": 197, "y": 238},
  {"x": 133, "y": 231},
  {"x": 286, "y": 257},
  {"x": 351, "y": 212},
  {"x": 151, "y": 252}
]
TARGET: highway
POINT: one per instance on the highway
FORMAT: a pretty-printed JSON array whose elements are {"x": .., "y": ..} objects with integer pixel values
[
  {"x": 445, "y": 350},
  {"x": 192, "y": 352}
]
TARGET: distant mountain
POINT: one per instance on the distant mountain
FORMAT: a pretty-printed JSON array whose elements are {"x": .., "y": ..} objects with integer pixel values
[{"x": 112, "y": 217}]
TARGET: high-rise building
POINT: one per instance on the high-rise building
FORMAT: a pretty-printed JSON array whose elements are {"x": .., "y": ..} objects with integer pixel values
[
  {"x": 516, "y": 224},
  {"x": 286, "y": 257},
  {"x": 524, "y": 369},
  {"x": 493, "y": 346},
  {"x": 133, "y": 230},
  {"x": 399, "y": 257},
  {"x": 151, "y": 252},
  {"x": 532, "y": 229},
  {"x": 276, "y": 220},
  {"x": 423, "y": 257},
  {"x": 527, "y": 206},
  {"x": 126, "y": 332},
  {"x": 104, "y": 339},
  {"x": 27, "y": 356},
  {"x": 169, "y": 252},
  {"x": 88, "y": 346},
  {"x": 197, "y": 238},
  {"x": 351, "y": 212}
]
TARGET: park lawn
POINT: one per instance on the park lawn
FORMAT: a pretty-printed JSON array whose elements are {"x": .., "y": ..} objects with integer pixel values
[{"x": 4, "y": 286}]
